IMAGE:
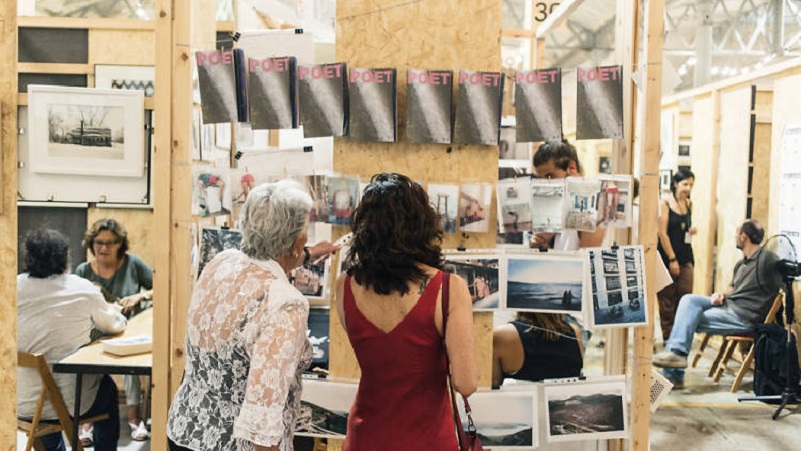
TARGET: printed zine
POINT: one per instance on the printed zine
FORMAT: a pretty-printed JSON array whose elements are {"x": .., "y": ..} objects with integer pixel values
[
  {"x": 372, "y": 105},
  {"x": 429, "y": 106},
  {"x": 478, "y": 108},
  {"x": 323, "y": 99}
]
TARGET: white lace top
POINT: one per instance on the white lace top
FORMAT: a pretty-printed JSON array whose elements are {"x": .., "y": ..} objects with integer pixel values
[{"x": 246, "y": 348}]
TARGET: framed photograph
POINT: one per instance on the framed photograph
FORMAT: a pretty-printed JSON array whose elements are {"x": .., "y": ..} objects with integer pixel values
[
  {"x": 481, "y": 272},
  {"x": 544, "y": 282},
  {"x": 665, "y": 179},
  {"x": 504, "y": 419},
  {"x": 586, "y": 411},
  {"x": 136, "y": 78},
  {"x": 684, "y": 149},
  {"x": 86, "y": 131},
  {"x": 324, "y": 408},
  {"x": 618, "y": 287}
]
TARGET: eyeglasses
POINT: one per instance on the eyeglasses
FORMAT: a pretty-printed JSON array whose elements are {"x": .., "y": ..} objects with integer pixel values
[{"x": 100, "y": 243}]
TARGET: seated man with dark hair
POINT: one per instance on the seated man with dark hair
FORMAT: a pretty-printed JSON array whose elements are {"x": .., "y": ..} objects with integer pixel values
[
  {"x": 738, "y": 309},
  {"x": 57, "y": 312}
]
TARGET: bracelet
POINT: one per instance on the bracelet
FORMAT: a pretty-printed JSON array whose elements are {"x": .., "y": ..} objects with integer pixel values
[{"x": 308, "y": 255}]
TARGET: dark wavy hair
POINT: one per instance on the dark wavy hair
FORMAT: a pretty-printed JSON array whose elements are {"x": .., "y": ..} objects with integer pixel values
[
  {"x": 106, "y": 224},
  {"x": 561, "y": 152},
  {"x": 46, "y": 253},
  {"x": 395, "y": 229},
  {"x": 680, "y": 175}
]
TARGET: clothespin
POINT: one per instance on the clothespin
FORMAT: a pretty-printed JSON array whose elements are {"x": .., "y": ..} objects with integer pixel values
[{"x": 462, "y": 247}]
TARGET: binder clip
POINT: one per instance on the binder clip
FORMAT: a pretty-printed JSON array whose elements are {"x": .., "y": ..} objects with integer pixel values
[
  {"x": 235, "y": 35},
  {"x": 462, "y": 247},
  {"x": 298, "y": 30},
  {"x": 238, "y": 155}
]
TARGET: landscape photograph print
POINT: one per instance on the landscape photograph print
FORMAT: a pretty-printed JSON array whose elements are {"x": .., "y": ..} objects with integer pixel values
[
  {"x": 586, "y": 411},
  {"x": 544, "y": 283},
  {"x": 504, "y": 420}
]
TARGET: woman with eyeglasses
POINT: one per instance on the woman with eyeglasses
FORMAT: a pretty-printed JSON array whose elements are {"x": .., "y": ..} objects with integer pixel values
[{"x": 130, "y": 280}]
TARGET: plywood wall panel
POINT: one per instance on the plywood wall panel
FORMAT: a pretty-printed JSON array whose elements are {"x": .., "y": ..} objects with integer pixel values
[
  {"x": 8, "y": 225},
  {"x": 735, "y": 119},
  {"x": 428, "y": 34},
  {"x": 786, "y": 92},
  {"x": 704, "y": 165},
  {"x": 128, "y": 47}
]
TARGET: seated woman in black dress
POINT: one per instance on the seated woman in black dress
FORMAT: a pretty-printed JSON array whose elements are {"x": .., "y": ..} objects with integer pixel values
[{"x": 536, "y": 346}]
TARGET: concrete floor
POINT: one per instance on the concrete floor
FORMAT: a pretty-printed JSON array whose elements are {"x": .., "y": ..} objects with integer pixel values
[{"x": 706, "y": 416}]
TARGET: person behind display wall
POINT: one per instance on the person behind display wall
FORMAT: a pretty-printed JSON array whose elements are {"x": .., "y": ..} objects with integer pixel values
[
  {"x": 521, "y": 347},
  {"x": 675, "y": 230},
  {"x": 246, "y": 343},
  {"x": 390, "y": 306},
  {"x": 536, "y": 346},
  {"x": 129, "y": 279},
  {"x": 57, "y": 313}
]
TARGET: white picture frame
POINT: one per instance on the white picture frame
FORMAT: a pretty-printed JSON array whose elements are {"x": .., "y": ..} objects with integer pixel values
[
  {"x": 506, "y": 419},
  {"x": 61, "y": 142},
  {"x": 125, "y": 77},
  {"x": 324, "y": 408}
]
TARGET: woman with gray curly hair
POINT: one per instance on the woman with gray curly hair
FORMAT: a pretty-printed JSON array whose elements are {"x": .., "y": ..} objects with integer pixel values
[{"x": 246, "y": 344}]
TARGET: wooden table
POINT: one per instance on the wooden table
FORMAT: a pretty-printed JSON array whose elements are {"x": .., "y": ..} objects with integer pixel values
[{"x": 91, "y": 359}]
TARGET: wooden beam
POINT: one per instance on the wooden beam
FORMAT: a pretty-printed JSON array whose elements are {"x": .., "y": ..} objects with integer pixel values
[
  {"x": 8, "y": 223},
  {"x": 162, "y": 201},
  {"x": 517, "y": 33},
  {"x": 87, "y": 23},
  {"x": 561, "y": 15},
  {"x": 226, "y": 25},
  {"x": 626, "y": 50},
  {"x": 784, "y": 68},
  {"x": 654, "y": 16},
  {"x": 55, "y": 68}
]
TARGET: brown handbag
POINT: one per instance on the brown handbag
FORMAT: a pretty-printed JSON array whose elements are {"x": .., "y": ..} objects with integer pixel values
[{"x": 468, "y": 438}]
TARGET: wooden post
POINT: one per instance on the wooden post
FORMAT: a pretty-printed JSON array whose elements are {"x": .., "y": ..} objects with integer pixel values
[
  {"x": 649, "y": 168},
  {"x": 8, "y": 223},
  {"x": 182, "y": 27}
]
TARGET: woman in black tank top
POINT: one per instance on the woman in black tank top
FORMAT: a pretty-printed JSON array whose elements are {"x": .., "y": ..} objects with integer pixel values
[
  {"x": 534, "y": 347},
  {"x": 675, "y": 230}
]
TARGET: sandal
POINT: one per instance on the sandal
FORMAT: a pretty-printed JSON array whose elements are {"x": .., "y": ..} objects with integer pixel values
[
  {"x": 85, "y": 437},
  {"x": 139, "y": 433}
]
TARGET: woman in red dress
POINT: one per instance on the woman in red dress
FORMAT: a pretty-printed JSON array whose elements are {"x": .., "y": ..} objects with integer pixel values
[{"x": 390, "y": 305}]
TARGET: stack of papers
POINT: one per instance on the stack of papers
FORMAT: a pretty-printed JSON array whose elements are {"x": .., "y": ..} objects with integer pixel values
[{"x": 128, "y": 345}]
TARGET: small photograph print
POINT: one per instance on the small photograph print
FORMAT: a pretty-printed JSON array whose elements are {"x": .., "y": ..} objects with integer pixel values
[
  {"x": 618, "y": 287},
  {"x": 324, "y": 408},
  {"x": 86, "y": 131},
  {"x": 665, "y": 179},
  {"x": 445, "y": 200},
  {"x": 480, "y": 271},
  {"x": 581, "y": 206},
  {"x": 474, "y": 207},
  {"x": 318, "y": 336},
  {"x": 318, "y": 189},
  {"x": 547, "y": 205},
  {"x": 514, "y": 206},
  {"x": 504, "y": 420},
  {"x": 545, "y": 283},
  {"x": 310, "y": 279},
  {"x": 343, "y": 195},
  {"x": 604, "y": 165},
  {"x": 614, "y": 205},
  {"x": 214, "y": 241},
  {"x": 211, "y": 192},
  {"x": 586, "y": 411}
]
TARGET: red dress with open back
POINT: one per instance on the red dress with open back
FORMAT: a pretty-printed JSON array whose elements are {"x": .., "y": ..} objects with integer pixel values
[{"x": 403, "y": 402}]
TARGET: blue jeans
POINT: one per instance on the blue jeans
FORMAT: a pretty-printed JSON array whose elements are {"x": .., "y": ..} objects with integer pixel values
[
  {"x": 106, "y": 433},
  {"x": 697, "y": 314}
]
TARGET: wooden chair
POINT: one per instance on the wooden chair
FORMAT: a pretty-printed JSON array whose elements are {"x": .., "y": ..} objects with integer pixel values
[
  {"x": 34, "y": 428},
  {"x": 732, "y": 341}
]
